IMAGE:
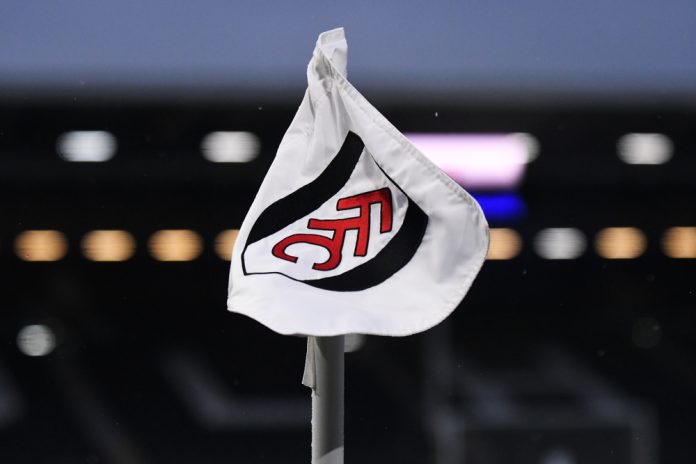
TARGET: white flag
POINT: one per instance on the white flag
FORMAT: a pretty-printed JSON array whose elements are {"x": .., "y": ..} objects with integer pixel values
[{"x": 353, "y": 230}]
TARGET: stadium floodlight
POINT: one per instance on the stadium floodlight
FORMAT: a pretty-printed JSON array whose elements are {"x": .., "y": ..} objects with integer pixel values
[
  {"x": 86, "y": 146},
  {"x": 560, "y": 243},
  {"x": 648, "y": 148},
  {"x": 230, "y": 147}
]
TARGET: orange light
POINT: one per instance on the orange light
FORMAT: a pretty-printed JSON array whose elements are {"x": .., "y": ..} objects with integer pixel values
[
  {"x": 108, "y": 245},
  {"x": 505, "y": 244},
  {"x": 620, "y": 243},
  {"x": 224, "y": 243},
  {"x": 175, "y": 245},
  {"x": 41, "y": 245},
  {"x": 680, "y": 242}
]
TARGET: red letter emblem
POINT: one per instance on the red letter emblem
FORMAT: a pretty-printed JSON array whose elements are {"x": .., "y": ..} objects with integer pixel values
[{"x": 334, "y": 244}]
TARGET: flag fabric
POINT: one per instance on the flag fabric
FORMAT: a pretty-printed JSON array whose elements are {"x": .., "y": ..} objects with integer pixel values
[{"x": 353, "y": 230}]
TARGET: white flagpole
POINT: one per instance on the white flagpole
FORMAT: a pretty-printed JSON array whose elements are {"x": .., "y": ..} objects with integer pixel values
[{"x": 327, "y": 400}]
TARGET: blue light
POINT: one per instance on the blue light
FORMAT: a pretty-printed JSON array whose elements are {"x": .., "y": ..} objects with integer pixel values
[{"x": 502, "y": 207}]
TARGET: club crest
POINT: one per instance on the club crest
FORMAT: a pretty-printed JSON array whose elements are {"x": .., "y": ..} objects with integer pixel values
[{"x": 345, "y": 240}]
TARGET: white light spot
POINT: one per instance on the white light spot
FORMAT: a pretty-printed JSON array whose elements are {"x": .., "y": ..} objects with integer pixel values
[
  {"x": 36, "y": 340},
  {"x": 560, "y": 243},
  {"x": 86, "y": 146},
  {"x": 645, "y": 148},
  {"x": 230, "y": 147}
]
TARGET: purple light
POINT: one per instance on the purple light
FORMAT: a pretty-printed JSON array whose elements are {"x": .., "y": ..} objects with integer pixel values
[{"x": 488, "y": 161}]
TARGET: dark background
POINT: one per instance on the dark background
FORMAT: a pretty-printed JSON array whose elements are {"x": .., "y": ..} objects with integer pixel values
[{"x": 586, "y": 360}]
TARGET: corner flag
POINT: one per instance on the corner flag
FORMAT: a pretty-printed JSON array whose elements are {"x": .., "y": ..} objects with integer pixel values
[{"x": 353, "y": 229}]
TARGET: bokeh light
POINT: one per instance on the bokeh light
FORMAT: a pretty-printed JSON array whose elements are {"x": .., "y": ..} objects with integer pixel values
[
  {"x": 680, "y": 242},
  {"x": 175, "y": 245},
  {"x": 620, "y": 243},
  {"x": 86, "y": 146},
  {"x": 230, "y": 147},
  {"x": 36, "y": 340},
  {"x": 560, "y": 243},
  {"x": 488, "y": 161},
  {"x": 108, "y": 245},
  {"x": 645, "y": 148},
  {"x": 41, "y": 245},
  {"x": 505, "y": 244},
  {"x": 224, "y": 242}
]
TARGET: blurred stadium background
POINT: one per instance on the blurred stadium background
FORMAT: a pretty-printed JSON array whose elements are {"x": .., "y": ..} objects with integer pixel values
[{"x": 133, "y": 137}]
